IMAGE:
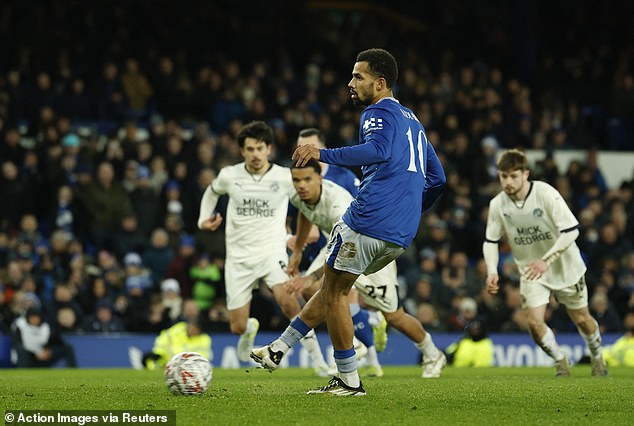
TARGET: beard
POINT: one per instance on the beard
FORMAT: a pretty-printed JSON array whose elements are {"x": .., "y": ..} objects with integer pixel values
[
  {"x": 514, "y": 191},
  {"x": 358, "y": 102}
]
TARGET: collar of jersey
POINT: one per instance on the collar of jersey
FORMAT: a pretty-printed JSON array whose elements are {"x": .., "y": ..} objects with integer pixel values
[
  {"x": 530, "y": 189},
  {"x": 261, "y": 176},
  {"x": 389, "y": 97}
]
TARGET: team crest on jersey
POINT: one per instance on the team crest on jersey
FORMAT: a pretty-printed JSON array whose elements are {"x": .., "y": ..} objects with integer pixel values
[
  {"x": 538, "y": 212},
  {"x": 372, "y": 124},
  {"x": 274, "y": 187}
]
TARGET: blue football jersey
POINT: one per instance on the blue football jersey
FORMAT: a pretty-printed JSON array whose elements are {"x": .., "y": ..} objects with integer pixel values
[{"x": 399, "y": 169}]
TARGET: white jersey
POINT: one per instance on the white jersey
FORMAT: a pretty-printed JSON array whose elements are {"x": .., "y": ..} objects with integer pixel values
[
  {"x": 532, "y": 226},
  {"x": 256, "y": 213},
  {"x": 332, "y": 204}
]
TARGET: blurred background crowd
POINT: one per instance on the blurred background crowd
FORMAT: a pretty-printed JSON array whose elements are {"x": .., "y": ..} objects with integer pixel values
[{"x": 115, "y": 116}]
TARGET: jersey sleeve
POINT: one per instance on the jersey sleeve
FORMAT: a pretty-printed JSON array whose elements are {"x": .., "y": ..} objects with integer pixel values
[
  {"x": 558, "y": 210},
  {"x": 494, "y": 229},
  {"x": 377, "y": 131},
  {"x": 220, "y": 185}
]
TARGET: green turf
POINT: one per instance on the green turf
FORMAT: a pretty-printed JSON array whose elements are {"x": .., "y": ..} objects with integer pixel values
[{"x": 488, "y": 396}]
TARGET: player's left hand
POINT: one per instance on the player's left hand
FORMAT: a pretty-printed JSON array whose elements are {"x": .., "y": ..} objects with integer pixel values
[
  {"x": 535, "y": 269},
  {"x": 303, "y": 153}
]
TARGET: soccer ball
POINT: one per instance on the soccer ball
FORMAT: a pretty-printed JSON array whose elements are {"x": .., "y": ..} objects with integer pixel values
[{"x": 188, "y": 373}]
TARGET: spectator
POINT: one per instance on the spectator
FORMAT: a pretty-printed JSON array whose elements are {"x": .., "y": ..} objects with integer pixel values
[
  {"x": 180, "y": 266},
  {"x": 145, "y": 202},
  {"x": 63, "y": 298},
  {"x": 10, "y": 148},
  {"x": 467, "y": 311},
  {"x": 110, "y": 94},
  {"x": 66, "y": 320},
  {"x": 106, "y": 202},
  {"x": 428, "y": 316},
  {"x": 12, "y": 194},
  {"x": 605, "y": 314},
  {"x": 128, "y": 238},
  {"x": 138, "y": 280},
  {"x": 172, "y": 301},
  {"x": 158, "y": 255},
  {"x": 38, "y": 344},
  {"x": 136, "y": 87},
  {"x": 208, "y": 282},
  {"x": 424, "y": 292},
  {"x": 95, "y": 291},
  {"x": 104, "y": 320}
]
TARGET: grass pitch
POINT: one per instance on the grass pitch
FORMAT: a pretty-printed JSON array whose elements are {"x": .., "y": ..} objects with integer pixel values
[{"x": 490, "y": 396}]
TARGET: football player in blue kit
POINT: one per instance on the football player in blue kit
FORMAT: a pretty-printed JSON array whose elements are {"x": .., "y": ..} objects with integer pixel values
[
  {"x": 401, "y": 178},
  {"x": 368, "y": 325}
]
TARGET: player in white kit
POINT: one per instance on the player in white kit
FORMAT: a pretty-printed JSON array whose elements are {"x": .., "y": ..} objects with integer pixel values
[
  {"x": 258, "y": 193},
  {"x": 322, "y": 203},
  {"x": 541, "y": 231}
]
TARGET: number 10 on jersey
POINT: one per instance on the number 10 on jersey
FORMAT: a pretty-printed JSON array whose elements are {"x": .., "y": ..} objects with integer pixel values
[{"x": 421, "y": 151}]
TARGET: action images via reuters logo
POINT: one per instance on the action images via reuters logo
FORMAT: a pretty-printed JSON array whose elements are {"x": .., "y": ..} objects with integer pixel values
[{"x": 83, "y": 417}]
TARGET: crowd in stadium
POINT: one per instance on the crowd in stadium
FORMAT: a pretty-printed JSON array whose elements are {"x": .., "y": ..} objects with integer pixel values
[{"x": 107, "y": 144}]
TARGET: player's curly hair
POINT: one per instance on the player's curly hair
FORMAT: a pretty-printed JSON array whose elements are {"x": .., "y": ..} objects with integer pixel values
[
  {"x": 381, "y": 63},
  {"x": 257, "y": 130},
  {"x": 513, "y": 159},
  {"x": 312, "y": 163}
]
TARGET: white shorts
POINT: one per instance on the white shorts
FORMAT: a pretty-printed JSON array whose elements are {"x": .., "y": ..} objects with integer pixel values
[
  {"x": 241, "y": 278},
  {"x": 378, "y": 290},
  {"x": 535, "y": 294},
  {"x": 356, "y": 253}
]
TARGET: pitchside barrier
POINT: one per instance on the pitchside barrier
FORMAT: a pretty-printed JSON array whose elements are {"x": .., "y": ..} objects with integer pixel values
[{"x": 126, "y": 349}]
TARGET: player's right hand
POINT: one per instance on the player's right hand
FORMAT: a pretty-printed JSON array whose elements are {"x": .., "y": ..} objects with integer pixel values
[
  {"x": 492, "y": 283},
  {"x": 212, "y": 223},
  {"x": 303, "y": 153}
]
